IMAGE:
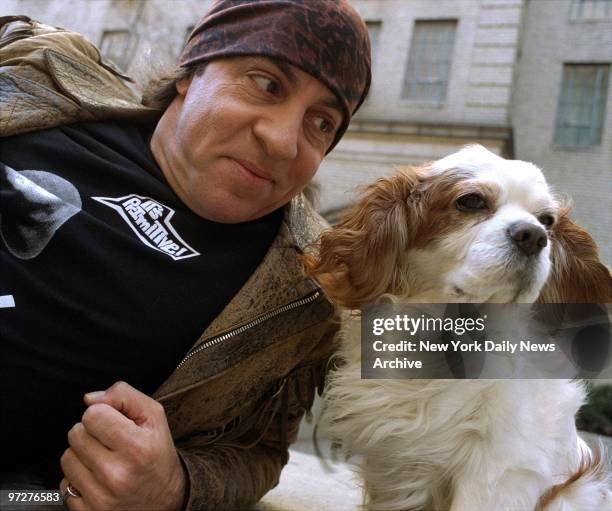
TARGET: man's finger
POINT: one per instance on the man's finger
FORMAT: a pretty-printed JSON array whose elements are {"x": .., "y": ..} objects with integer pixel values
[
  {"x": 109, "y": 426},
  {"x": 92, "y": 453},
  {"x": 71, "y": 503},
  {"x": 80, "y": 477},
  {"x": 129, "y": 401}
]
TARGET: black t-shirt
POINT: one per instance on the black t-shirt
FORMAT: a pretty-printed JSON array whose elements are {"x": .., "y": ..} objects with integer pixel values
[{"x": 104, "y": 275}]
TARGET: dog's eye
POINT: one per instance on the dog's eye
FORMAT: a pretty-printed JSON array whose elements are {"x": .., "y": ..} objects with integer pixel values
[
  {"x": 546, "y": 220},
  {"x": 471, "y": 202}
]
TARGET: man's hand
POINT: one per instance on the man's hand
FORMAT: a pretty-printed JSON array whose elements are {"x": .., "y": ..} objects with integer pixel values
[{"x": 122, "y": 456}]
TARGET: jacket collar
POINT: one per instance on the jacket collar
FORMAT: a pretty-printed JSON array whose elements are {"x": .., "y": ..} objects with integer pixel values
[{"x": 276, "y": 282}]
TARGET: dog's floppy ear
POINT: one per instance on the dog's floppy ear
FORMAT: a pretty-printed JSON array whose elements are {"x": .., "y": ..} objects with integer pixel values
[
  {"x": 577, "y": 274},
  {"x": 359, "y": 259}
]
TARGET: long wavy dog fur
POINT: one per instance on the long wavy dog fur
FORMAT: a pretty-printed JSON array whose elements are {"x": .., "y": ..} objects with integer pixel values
[{"x": 472, "y": 227}]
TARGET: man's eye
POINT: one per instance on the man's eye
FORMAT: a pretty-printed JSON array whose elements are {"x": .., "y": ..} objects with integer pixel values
[
  {"x": 324, "y": 125},
  {"x": 267, "y": 84}
]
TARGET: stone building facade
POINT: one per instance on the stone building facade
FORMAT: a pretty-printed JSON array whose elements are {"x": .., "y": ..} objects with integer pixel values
[
  {"x": 395, "y": 129},
  {"x": 141, "y": 36},
  {"x": 567, "y": 41},
  {"x": 514, "y": 75}
]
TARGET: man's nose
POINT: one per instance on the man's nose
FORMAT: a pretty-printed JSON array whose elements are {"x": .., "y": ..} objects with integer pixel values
[
  {"x": 529, "y": 238},
  {"x": 279, "y": 133}
]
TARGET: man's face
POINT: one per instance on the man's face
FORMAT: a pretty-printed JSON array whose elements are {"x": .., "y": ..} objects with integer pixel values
[{"x": 244, "y": 137}]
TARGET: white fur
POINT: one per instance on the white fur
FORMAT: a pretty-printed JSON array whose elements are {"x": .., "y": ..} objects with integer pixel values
[
  {"x": 467, "y": 445},
  {"x": 478, "y": 258}
]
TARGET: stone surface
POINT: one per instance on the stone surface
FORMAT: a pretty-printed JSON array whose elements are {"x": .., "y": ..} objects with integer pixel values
[{"x": 309, "y": 483}]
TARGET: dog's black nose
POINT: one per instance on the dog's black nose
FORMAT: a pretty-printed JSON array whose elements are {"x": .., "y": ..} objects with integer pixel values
[{"x": 529, "y": 238}]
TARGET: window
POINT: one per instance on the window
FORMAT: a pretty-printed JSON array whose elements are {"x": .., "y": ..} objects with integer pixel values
[
  {"x": 374, "y": 28},
  {"x": 580, "y": 114},
  {"x": 115, "y": 47},
  {"x": 591, "y": 9},
  {"x": 374, "y": 31},
  {"x": 429, "y": 60}
]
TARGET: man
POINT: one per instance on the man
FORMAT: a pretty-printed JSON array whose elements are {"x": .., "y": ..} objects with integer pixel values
[{"x": 157, "y": 257}]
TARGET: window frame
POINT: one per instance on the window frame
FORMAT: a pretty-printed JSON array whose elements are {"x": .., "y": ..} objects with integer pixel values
[
  {"x": 442, "y": 99},
  {"x": 599, "y": 89},
  {"x": 125, "y": 59},
  {"x": 577, "y": 8}
]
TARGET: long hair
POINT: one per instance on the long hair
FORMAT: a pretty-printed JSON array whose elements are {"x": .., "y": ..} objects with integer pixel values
[{"x": 160, "y": 90}]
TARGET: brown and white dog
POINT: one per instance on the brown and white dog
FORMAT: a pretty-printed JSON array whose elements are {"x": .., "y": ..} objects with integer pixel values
[{"x": 471, "y": 227}]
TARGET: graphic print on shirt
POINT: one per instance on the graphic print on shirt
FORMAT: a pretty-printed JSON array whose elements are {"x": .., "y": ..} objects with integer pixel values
[
  {"x": 34, "y": 205},
  {"x": 150, "y": 220}
]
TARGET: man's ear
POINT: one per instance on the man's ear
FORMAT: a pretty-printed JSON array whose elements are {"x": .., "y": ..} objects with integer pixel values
[
  {"x": 577, "y": 274},
  {"x": 182, "y": 85}
]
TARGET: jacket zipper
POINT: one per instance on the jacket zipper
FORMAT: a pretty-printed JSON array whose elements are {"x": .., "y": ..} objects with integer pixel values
[{"x": 254, "y": 322}]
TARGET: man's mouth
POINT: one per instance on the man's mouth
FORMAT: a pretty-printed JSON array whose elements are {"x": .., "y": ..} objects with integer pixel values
[{"x": 254, "y": 169}]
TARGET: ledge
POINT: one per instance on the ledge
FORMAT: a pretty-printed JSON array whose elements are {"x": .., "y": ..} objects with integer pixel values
[{"x": 453, "y": 130}]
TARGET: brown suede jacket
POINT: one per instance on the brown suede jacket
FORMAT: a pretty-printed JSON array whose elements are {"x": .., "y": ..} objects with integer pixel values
[{"x": 235, "y": 401}]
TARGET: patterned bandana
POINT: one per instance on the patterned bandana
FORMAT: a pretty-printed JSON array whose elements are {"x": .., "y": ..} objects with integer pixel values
[{"x": 325, "y": 38}]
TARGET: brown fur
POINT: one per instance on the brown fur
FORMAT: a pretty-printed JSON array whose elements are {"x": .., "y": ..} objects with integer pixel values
[
  {"x": 592, "y": 465},
  {"x": 361, "y": 258},
  {"x": 577, "y": 274}
]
